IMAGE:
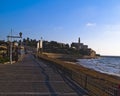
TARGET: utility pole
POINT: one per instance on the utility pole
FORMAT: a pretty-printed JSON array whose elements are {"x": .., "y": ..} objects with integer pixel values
[{"x": 20, "y": 36}]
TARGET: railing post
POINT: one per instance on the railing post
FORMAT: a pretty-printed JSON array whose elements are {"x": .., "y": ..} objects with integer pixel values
[
  {"x": 118, "y": 91},
  {"x": 85, "y": 81}
]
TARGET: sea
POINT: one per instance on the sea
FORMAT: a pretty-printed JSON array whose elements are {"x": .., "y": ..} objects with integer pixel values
[{"x": 105, "y": 64}]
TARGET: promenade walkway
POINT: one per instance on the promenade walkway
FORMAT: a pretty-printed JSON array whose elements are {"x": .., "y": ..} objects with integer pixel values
[{"x": 33, "y": 77}]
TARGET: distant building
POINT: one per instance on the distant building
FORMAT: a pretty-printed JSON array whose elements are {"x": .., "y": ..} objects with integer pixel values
[
  {"x": 85, "y": 46},
  {"x": 83, "y": 49},
  {"x": 77, "y": 45},
  {"x": 76, "y": 48}
]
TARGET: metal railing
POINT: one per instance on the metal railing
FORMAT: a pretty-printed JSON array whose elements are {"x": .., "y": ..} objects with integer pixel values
[{"x": 97, "y": 84}]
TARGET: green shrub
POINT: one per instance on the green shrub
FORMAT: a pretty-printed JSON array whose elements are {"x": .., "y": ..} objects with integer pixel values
[{"x": 5, "y": 59}]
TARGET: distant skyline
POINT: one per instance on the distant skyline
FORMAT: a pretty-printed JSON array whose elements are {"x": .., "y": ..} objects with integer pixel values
[{"x": 96, "y": 22}]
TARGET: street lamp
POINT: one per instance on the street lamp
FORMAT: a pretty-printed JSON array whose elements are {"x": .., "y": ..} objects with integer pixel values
[{"x": 20, "y": 36}]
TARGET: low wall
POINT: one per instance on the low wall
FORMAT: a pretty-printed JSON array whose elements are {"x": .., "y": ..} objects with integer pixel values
[
  {"x": 63, "y": 57},
  {"x": 97, "y": 84},
  {"x": 53, "y": 55}
]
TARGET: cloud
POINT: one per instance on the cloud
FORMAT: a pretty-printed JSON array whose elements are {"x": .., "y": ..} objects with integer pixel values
[{"x": 90, "y": 24}]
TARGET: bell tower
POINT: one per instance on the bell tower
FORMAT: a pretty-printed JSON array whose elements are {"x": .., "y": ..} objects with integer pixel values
[
  {"x": 79, "y": 46},
  {"x": 79, "y": 40}
]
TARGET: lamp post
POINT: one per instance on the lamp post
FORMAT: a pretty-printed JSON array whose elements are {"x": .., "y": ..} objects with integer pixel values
[
  {"x": 20, "y": 36},
  {"x": 11, "y": 48}
]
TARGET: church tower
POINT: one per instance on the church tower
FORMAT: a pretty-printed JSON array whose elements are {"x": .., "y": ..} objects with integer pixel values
[
  {"x": 79, "y": 40},
  {"x": 79, "y": 46}
]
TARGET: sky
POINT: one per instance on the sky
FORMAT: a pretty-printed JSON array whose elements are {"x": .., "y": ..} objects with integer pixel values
[{"x": 96, "y": 22}]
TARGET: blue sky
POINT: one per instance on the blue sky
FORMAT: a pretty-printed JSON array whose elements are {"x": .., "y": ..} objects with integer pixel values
[{"x": 96, "y": 22}]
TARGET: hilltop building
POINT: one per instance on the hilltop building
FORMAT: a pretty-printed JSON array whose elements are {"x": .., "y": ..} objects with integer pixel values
[
  {"x": 78, "y": 45},
  {"x": 77, "y": 48},
  {"x": 83, "y": 49}
]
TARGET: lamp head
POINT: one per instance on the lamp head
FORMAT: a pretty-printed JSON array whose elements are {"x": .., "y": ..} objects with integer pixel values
[{"x": 20, "y": 34}]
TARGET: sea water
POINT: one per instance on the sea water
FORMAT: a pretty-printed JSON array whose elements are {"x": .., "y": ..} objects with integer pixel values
[{"x": 105, "y": 64}]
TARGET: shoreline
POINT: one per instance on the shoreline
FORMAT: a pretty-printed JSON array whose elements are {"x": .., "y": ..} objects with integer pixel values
[
  {"x": 73, "y": 60},
  {"x": 101, "y": 72},
  {"x": 99, "y": 68}
]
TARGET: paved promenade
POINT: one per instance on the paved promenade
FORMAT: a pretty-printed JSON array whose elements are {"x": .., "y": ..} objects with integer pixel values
[{"x": 33, "y": 77}]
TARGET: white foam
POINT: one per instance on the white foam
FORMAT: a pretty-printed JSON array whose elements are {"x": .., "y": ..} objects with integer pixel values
[{"x": 103, "y": 64}]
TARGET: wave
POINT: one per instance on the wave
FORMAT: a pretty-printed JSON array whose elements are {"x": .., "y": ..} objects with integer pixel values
[{"x": 106, "y": 64}]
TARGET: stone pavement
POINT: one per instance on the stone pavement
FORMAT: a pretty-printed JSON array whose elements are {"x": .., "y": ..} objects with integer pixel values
[{"x": 33, "y": 77}]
